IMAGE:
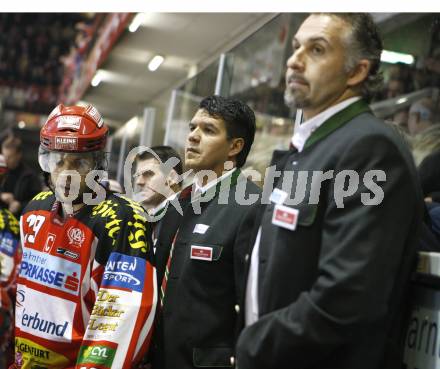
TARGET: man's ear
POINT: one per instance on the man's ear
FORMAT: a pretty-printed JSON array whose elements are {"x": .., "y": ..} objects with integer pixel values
[
  {"x": 359, "y": 73},
  {"x": 173, "y": 179},
  {"x": 235, "y": 146}
]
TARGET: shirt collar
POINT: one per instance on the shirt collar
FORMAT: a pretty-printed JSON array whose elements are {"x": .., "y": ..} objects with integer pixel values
[
  {"x": 304, "y": 130},
  {"x": 203, "y": 189},
  {"x": 161, "y": 206}
]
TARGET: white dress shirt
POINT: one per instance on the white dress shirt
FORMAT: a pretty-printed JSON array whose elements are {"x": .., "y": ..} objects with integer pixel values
[
  {"x": 301, "y": 135},
  {"x": 304, "y": 130},
  {"x": 202, "y": 189}
]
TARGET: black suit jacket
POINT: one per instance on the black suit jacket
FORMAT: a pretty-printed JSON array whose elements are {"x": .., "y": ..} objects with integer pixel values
[
  {"x": 332, "y": 292},
  {"x": 197, "y": 326}
]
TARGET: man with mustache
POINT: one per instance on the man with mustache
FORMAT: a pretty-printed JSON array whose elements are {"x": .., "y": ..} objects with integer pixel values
[
  {"x": 203, "y": 268},
  {"x": 328, "y": 276}
]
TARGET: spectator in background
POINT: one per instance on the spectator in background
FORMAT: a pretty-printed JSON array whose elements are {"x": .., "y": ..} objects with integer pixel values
[
  {"x": 21, "y": 183},
  {"x": 394, "y": 88},
  {"x": 10, "y": 254},
  {"x": 425, "y": 143},
  {"x": 421, "y": 116},
  {"x": 400, "y": 118},
  {"x": 403, "y": 73},
  {"x": 429, "y": 173}
]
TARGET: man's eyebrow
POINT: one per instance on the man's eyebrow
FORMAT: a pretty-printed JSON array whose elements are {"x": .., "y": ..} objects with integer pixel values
[
  {"x": 210, "y": 125},
  {"x": 312, "y": 39},
  {"x": 145, "y": 171},
  {"x": 319, "y": 39},
  {"x": 206, "y": 124}
]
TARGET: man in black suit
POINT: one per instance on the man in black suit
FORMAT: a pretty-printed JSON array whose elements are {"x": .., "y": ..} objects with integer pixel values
[
  {"x": 334, "y": 248},
  {"x": 200, "y": 253}
]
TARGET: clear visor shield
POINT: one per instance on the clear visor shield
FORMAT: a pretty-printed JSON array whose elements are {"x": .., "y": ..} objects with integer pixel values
[
  {"x": 72, "y": 174},
  {"x": 52, "y": 161}
]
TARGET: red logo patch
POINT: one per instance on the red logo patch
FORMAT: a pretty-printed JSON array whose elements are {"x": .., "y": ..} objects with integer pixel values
[
  {"x": 201, "y": 253},
  {"x": 285, "y": 217}
]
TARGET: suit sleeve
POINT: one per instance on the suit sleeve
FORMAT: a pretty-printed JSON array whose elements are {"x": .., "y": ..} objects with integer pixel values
[
  {"x": 362, "y": 249},
  {"x": 121, "y": 322}
]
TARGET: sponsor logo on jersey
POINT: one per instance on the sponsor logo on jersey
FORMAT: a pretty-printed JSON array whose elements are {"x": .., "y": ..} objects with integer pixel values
[
  {"x": 6, "y": 268},
  {"x": 37, "y": 323},
  {"x": 39, "y": 356},
  {"x": 50, "y": 240},
  {"x": 68, "y": 253},
  {"x": 19, "y": 299},
  {"x": 8, "y": 243},
  {"x": 102, "y": 325},
  {"x": 50, "y": 271},
  {"x": 125, "y": 272},
  {"x": 76, "y": 236},
  {"x": 66, "y": 143},
  {"x": 97, "y": 354},
  {"x": 45, "y": 316},
  {"x": 107, "y": 311},
  {"x": 25, "y": 347},
  {"x": 18, "y": 359}
]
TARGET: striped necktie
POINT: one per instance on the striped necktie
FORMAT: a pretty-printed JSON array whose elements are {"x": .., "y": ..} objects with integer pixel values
[{"x": 167, "y": 271}]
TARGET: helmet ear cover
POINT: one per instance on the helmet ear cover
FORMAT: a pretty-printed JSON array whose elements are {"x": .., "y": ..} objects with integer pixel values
[{"x": 74, "y": 129}]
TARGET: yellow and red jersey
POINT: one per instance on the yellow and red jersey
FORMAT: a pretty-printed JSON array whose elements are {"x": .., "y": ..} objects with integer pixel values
[
  {"x": 9, "y": 255},
  {"x": 86, "y": 291},
  {"x": 9, "y": 259}
]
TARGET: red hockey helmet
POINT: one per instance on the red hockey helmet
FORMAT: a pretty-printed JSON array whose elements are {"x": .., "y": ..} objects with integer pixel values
[
  {"x": 74, "y": 129},
  {"x": 79, "y": 130}
]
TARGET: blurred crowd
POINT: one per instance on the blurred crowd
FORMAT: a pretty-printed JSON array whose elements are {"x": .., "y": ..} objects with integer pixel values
[{"x": 32, "y": 52}]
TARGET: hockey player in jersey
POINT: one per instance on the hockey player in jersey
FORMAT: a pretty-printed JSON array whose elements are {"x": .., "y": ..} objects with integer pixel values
[
  {"x": 86, "y": 292},
  {"x": 9, "y": 258}
]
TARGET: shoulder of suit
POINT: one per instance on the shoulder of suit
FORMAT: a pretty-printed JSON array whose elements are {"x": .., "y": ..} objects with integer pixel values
[
  {"x": 251, "y": 187},
  {"x": 366, "y": 126}
]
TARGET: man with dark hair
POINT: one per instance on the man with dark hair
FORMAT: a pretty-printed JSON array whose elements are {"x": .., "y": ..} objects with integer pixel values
[
  {"x": 20, "y": 184},
  {"x": 328, "y": 273},
  {"x": 153, "y": 185},
  {"x": 202, "y": 252}
]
